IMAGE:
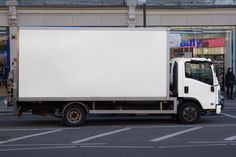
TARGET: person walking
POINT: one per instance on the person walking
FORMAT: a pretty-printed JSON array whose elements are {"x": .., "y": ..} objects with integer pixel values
[{"x": 230, "y": 82}]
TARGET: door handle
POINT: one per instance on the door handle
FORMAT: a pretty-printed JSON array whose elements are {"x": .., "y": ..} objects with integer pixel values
[
  {"x": 186, "y": 89},
  {"x": 212, "y": 89}
]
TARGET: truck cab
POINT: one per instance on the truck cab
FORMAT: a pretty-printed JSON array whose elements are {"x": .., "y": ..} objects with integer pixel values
[{"x": 193, "y": 81}]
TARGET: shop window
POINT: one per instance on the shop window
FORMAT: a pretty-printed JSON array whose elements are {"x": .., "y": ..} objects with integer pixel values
[
  {"x": 4, "y": 55},
  {"x": 215, "y": 43}
]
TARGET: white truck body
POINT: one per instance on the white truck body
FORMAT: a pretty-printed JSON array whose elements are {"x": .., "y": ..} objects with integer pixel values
[
  {"x": 88, "y": 65},
  {"x": 70, "y": 72}
]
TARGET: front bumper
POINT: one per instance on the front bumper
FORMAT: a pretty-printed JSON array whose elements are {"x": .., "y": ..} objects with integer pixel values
[
  {"x": 218, "y": 109},
  {"x": 220, "y": 106}
]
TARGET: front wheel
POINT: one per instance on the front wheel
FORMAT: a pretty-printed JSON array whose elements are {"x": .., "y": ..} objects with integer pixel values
[
  {"x": 74, "y": 115},
  {"x": 189, "y": 113}
]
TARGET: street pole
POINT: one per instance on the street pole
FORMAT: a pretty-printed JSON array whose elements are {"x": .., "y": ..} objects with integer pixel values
[
  {"x": 143, "y": 5},
  {"x": 144, "y": 15}
]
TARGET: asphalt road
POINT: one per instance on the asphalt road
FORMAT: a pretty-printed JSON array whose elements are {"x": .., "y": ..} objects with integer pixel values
[{"x": 133, "y": 136}]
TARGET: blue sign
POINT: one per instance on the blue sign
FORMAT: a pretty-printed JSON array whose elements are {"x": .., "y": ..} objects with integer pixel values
[{"x": 191, "y": 43}]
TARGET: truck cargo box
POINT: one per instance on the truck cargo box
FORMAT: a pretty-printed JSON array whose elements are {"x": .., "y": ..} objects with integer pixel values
[{"x": 82, "y": 64}]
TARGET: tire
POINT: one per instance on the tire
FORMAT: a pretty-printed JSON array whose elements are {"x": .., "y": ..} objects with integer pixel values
[
  {"x": 189, "y": 113},
  {"x": 74, "y": 115}
]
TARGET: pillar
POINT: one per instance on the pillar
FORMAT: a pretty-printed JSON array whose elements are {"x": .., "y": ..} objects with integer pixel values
[
  {"x": 131, "y": 12},
  {"x": 13, "y": 28}
]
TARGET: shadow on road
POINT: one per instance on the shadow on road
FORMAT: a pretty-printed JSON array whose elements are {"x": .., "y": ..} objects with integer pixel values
[{"x": 102, "y": 120}]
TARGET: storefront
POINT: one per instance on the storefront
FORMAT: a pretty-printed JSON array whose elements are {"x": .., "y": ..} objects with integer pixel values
[
  {"x": 216, "y": 43},
  {"x": 4, "y": 59}
]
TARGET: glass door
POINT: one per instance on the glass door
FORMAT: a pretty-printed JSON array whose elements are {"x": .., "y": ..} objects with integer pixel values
[{"x": 4, "y": 60}]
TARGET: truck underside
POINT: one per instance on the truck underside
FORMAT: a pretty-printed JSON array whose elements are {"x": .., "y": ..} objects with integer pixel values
[
  {"x": 49, "y": 107},
  {"x": 74, "y": 113}
]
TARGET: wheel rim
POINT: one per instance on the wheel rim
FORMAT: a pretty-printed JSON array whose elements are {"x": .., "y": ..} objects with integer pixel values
[
  {"x": 74, "y": 116},
  {"x": 190, "y": 113}
]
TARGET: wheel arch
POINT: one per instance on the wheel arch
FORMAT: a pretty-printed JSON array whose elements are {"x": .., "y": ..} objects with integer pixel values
[
  {"x": 193, "y": 100},
  {"x": 75, "y": 103}
]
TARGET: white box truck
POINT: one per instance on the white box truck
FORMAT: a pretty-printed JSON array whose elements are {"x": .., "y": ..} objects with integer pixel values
[{"x": 71, "y": 72}]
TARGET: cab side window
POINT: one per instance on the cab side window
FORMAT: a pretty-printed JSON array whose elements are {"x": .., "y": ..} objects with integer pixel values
[
  {"x": 200, "y": 71},
  {"x": 174, "y": 85}
]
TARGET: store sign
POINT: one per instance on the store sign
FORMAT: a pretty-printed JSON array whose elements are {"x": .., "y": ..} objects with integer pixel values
[
  {"x": 191, "y": 43},
  {"x": 174, "y": 40}
]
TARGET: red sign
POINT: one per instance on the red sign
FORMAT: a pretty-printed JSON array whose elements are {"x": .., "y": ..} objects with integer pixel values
[{"x": 217, "y": 42}]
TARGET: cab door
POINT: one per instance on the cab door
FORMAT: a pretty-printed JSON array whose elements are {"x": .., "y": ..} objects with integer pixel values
[{"x": 198, "y": 83}]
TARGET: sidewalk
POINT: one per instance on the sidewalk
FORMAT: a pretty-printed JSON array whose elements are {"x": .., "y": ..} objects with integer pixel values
[
  {"x": 3, "y": 106},
  {"x": 230, "y": 104}
]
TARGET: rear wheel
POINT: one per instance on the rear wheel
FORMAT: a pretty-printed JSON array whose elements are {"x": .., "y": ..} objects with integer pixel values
[
  {"x": 189, "y": 113},
  {"x": 74, "y": 115}
]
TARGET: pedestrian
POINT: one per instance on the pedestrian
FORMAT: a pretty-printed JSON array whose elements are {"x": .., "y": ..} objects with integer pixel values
[{"x": 230, "y": 82}]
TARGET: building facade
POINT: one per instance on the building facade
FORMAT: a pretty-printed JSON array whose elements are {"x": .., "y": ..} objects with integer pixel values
[{"x": 199, "y": 28}]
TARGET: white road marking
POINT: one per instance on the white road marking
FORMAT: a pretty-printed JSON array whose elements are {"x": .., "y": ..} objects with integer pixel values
[
  {"x": 63, "y": 144},
  {"x": 29, "y": 136},
  {"x": 37, "y": 129},
  {"x": 38, "y": 148},
  {"x": 175, "y": 134},
  {"x": 24, "y": 129},
  {"x": 121, "y": 147},
  {"x": 184, "y": 126},
  {"x": 229, "y": 115},
  {"x": 131, "y": 127},
  {"x": 209, "y": 142},
  {"x": 230, "y": 138},
  {"x": 100, "y": 135},
  {"x": 187, "y": 146}
]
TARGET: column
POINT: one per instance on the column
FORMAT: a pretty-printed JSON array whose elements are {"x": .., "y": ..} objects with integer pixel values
[
  {"x": 131, "y": 13},
  {"x": 13, "y": 37},
  {"x": 13, "y": 28}
]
